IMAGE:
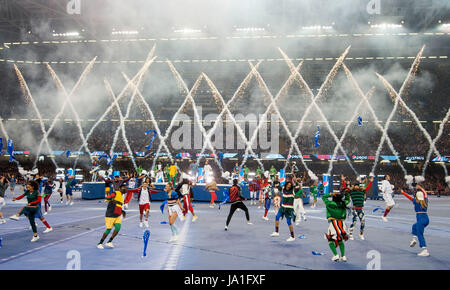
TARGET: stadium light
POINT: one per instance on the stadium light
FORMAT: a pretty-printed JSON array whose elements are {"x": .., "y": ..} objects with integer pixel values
[
  {"x": 250, "y": 29},
  {"x": 187, "y": 30},
  {"x": 125, "y": 32},
  {"x": 386, "y": 26},
  {"x": 66, "y": 34},
  {"x": 317, "y": 27}
]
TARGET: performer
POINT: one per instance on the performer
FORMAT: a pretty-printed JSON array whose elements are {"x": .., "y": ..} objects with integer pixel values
[
  {"x": 173, "y": 209},
  {"x": 259, "y": 173},
  {"x": 144, "y": 199},
  {"x": 286, "y": 210},
  {"x": 299, "y": 210},
  {"x": 70, "y": 182},
  {"x": 236, "y": 202},
  {"x": 113, "y": 217},
  {"x": 212, "y": 188},
  {"x": 95, "y": 167},
  {"x": 236, "y": 170},
  {"x": 358, "y": 195},
  {"x": 32, "y": 209},
  {"x": 294, "y": 170},
  {"x": 173, "y": 173},
  {"x": 246, "y": 172},
  {"x": 61, "y": 188},
  {"x": 193, "y": 170},
  {"x": 3, "y": 186},
  {"x": 314, "y": 191},
  {"x": 260, "y": 182},
  {"x": 272, "y": 173},
  {"x": 276, "y": 195},
  {"x": 49, "y": 186},
  {"x": 254, "y": 189},
  {"x": 208, "y": 172},
  {"x": 185, "y": 189},
  {"x": 387, "y": 190},
  {"x": 12, "y": 183},
  {"x": 267, "y": 191},
  {"x": 420, "y": 202},
  {"x": 336, "y": 214},
  {"x": 159, "y": 173}
]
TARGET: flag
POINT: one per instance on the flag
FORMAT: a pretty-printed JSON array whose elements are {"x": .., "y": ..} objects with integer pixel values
[
  {"x": 11, "y": 150},
  {"x": 316, "y": 137},
  {"x": 153, "y": 138},
  {"x": 145, "y": 238}
]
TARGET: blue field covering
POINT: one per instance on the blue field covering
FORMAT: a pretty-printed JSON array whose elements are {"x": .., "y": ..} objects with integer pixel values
[{"x": 205, "y": 245}]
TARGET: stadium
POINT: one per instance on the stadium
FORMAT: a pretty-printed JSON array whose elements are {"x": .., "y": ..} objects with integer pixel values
[{"x": 264, "y": 111}]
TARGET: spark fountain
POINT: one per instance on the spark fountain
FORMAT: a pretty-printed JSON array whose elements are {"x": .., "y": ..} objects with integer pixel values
[
  {"x": 355, "y": 114},
  {"x": 28, "y": 95},
  {"x": 152, "y": 117},
  {"x": 122, "y": 93},
  {"x": 194, "y": 108},
  {"x": 227, "y": 110},
  {"x": 237, "y": 93},
  {"x": 323, "y": 88},
  {"x": 377, "y": 122},
  {"x": 172, "y": 122},
  {"x": 282, "y": 91},
  {"x": 411, "y": 112},
  {"x": 68, "y": 101},
  {"x": 122, "y": 124},
  {"x": 409, "y": 77},
  {"x": 130, "y": 103},
  {"x": 441, "y": 130}
]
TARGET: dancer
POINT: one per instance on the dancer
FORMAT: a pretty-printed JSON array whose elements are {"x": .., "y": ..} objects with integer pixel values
[
  {"x": 70, "y": 182},
  {"x": 236, "y": 202},
  {"x": 261, "y": 197},
  {"x": 193, "y": 171},
  {"x": 259, "y": 172},
  {"x": 236, "y": 170},
  {"x": 61, "y": 188},
  {"x": 358, "y": 196},
  {"x": 12, "y": 183},
  {"x": 113, "y": 217},
  {"x": 286, "y": 210},
  {"x": 173, "y": 209},
  {"x": 272, "y": 173},
  {"x": 276, "y": 196},
  {"x": 253, "y": 188},
  {"x": 3, "y": 186},
  {"x": 314, "y": 191},
  {"x": 173, "y": 173},
  {"x": 299, "y": 210},
  {"x": 212, "y": 188},
  {"x": 387, "y": 190},
  {"x": 267, "y": 191},
  {"x": 185, "y": 189},
  {"x": 246, "y": 172},
  {"x": 49, "y": 186},
  {"x": 208, "y": 172},
  {"x": 159, "y": 173},
  {"x": 94, "y": 169},
  {"x": 336, "y": 214},
  {"x": 144, "y": 199},
  {"x": 32, "y": 210},
  {"x": 420, "y": 202}
]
